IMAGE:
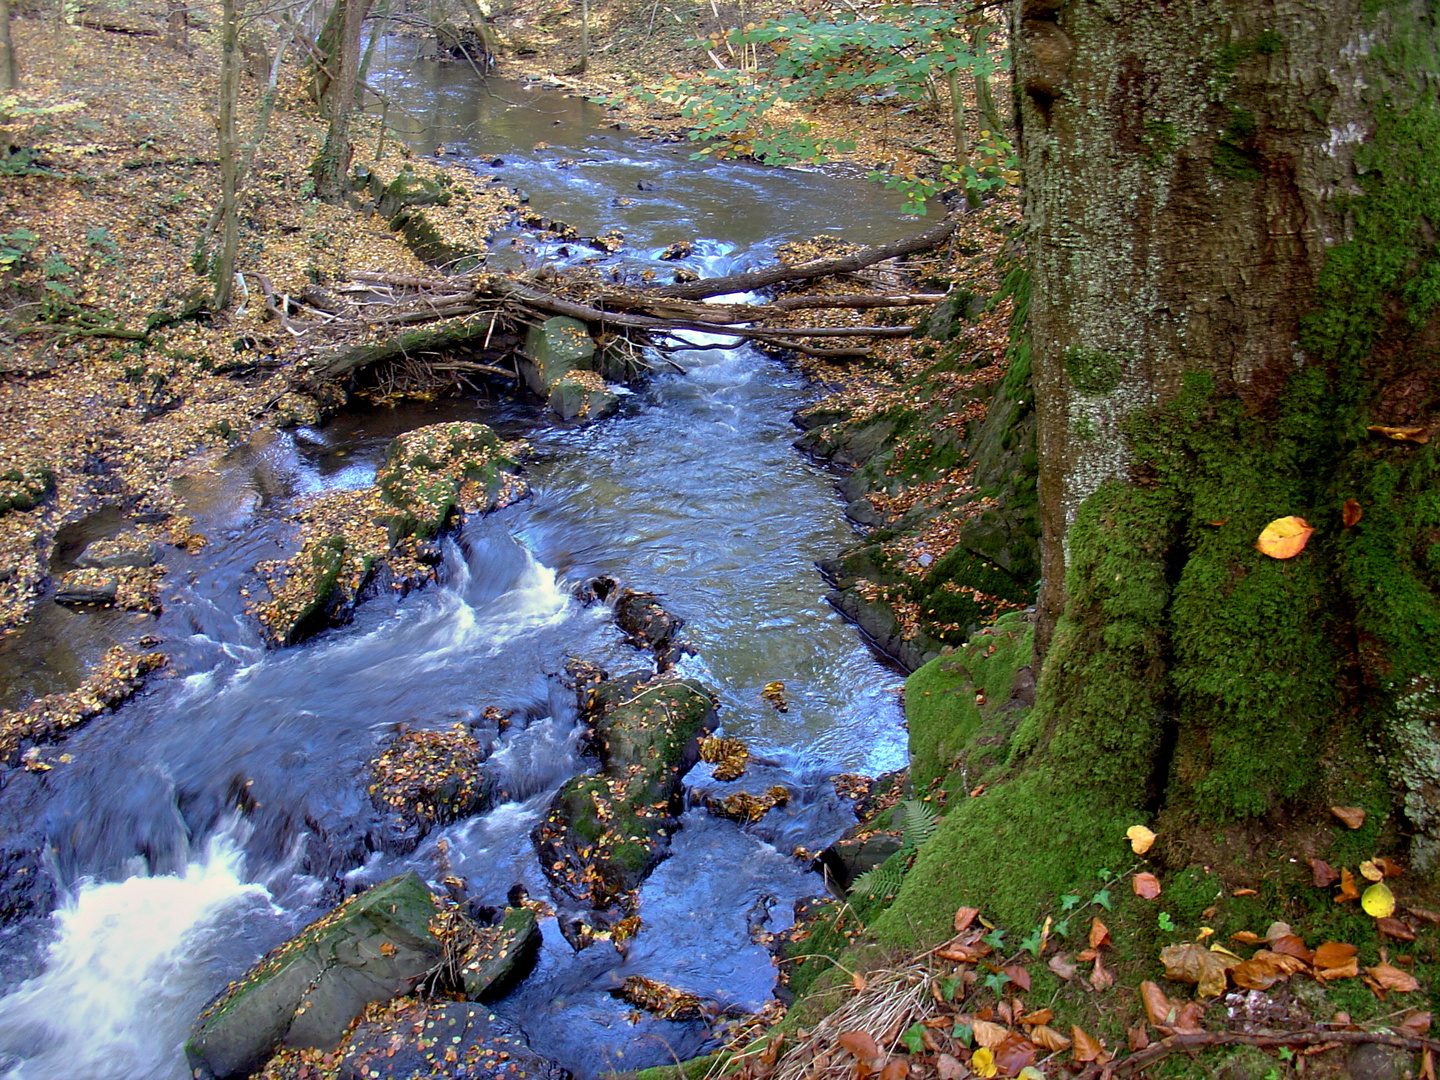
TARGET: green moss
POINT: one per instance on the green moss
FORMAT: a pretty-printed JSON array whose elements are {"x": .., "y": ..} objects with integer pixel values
[
  {"x": 25, "y": 488},
  {"x": 1092, "y": 371},
  {"x": 1161, "y": 138}
]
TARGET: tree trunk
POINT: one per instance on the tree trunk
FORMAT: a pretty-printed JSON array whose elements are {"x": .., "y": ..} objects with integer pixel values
[
  {"x": 177, "y": 24},
  {"x": 9, "y": 67},
  {"x": 331, "y": 169},
  {"x": 224, "y": 274},
  {"x": 1231, "y": 225}
]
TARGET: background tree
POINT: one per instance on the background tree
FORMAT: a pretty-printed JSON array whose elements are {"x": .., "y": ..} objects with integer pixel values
[
  {"x": 9, "y": 66},
  {"x": 1234, "y": 316},
  {"x": 338, "y": 84}
]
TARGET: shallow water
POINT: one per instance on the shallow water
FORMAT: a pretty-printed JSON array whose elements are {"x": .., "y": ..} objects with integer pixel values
[{"x": 693, "y": 491}]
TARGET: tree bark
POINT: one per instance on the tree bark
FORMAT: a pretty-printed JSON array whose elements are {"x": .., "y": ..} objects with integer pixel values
[
  {"x": 224, "y": 271},
  {"x": 1234, "y": 317},
  {"x": 9, "y": 66},
  {"x": 337, "y": 99}
]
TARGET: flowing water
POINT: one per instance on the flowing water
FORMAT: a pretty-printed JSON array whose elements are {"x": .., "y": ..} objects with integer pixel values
[{"x": 161, "y": 893}]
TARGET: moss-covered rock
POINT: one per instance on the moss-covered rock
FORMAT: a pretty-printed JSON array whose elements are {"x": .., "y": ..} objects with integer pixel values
[
  {"x": 305, "y": 993},
  {"x": 497, "y": 957},
  {"x": 25, "y": 487},
  {"x": 582, "y": 395},
  {"x": 604, "y": 833},
  {"x": 552, "y": 350},
  {"x": 430, "y": 471}
]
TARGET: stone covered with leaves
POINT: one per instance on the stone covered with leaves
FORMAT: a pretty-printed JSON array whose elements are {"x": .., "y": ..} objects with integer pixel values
[
  {"x": 353, "y": 541},
  {"x": 605, "y": 832},
  {"x": 375, "y": 946},
  {"x": 430, "y": 778}
]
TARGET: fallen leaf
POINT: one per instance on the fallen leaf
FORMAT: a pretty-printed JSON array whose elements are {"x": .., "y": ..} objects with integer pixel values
[
  {"x": 1394, "y": 928},
  {"x": 1087, "y": 1047},
  {"x": 1371, "y": 870},
  {"x": 1427, "y": 1065},
  {"x": 988, "y": 1034},
  {"x": 1378, "y": 901},
  {"x": 1284, "y": 538},
  {"x": 1245, "y": 892},
  {"x": 1159, "y": 1009},
  {"x": 1019, "y": 976},
  {"x": 1146, "y": 886},
  {"x": 895, "y": 1069},
  {"x": 1050, "y": 1039},
  {"x": 1352, "y": 816},
  {"x": 1265, "y": 969},
  {"x": 1336, "y": 960},
  {"x": 1099, "y": 935},
  {"x": 1246, "y": 937},
  {"x": 860, "y": 1044},
  {"x": 1040, "y": 1016},
  {"x": 1348, "y": 890},
  {"x": 1292, "y": 945},
  {"x": 1278, "y": 929},
  {"x": 1402, "y": 434},
  {"x": 1351, "y": 514},
  {"x": 1193, "y": 963},
  {"x": 1325, "y": 875},
  {"x": 1014, "y": 1054},
  {"x": 1425, "y": 914},
  {"x": 1416, "y": 1024},
  {"x": 964, "y": 917},
  {"x": 1390, "y": 866},
  {"x": 1060, "y": 964},
  {"x": 950, "y": 1068},
  {"x": 1188, "y": 1022},
  {"x": 1100, "y": 979},
  {"x": 1136, "y": 1038},
  {"x": 983, "y": 1063},
  {"x": 858, "y": 981},
  {"x": 1141, "y": 839},
  {"x": 1392, "y": 978}
]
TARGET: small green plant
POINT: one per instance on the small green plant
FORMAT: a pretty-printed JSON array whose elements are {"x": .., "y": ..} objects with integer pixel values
[
  {"x": 1103, "y": 899},
  {"x": 100, "y": 240},
  {"x": 15, "y": 247},
  {"x": 914, "y": 1038},
  {"x": 1165, "y": 922}
]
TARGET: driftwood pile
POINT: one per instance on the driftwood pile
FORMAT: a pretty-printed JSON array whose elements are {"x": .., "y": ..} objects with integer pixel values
[{"x": 446, "y": 329}]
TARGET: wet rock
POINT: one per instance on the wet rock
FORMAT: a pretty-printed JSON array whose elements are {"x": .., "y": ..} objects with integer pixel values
[
  {"x": 109, "y": 555},
  {"x": 650, "y": 626},
  {"x": 851, "y": 856},
  {"x": 430, "y": 471},
  {"x": 1374, "y": 1062},
  {"x": 582, "y": 395},
  {"x": 729, "y": 756},
  {"x": 495, "y": 958},
  {"x": 666, "y": 1002},
  {"x": 551, "y": 350},
  {"x": 88, "y": 593},
  {"x": 685, "y": 277},
  {"x": 428, "y": 778},
  {"x": 458, "y": 1041},
  {"x": 604, "y": 833},
  {"x": 375, "y": 946},
  {"x": 745, "y": 807},
  {"x": 681, "y": 249}
]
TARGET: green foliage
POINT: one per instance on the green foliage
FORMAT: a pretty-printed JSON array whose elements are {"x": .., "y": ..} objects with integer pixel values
[
  {"x": 15, "y": 246},
  {"x": 18, "y": 123}
]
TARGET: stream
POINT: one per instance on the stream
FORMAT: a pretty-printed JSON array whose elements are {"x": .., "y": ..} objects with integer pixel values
[{"x": 157, "y": 891}]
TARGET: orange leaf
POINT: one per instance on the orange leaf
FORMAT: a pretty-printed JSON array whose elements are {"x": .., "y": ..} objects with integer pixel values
[
  {"x": 1193, "y": 963},
  {"x": 1087, "y": 1047},
  {"x": 1324, "y": 874},
  {"x": 987, "y": 1034},
  {"x": 1265, "y": 969},
  {"x": 1352, "y": 816},
  {"x": 1019, "y": 976},
  {"x": 1402, "y": 434},
  {"x": 1392, "y": 978},
  {"x": 964, "y": 917},
  {"x": 1099, "y": 935},
  {"x": 861, "y": 1045},
  {"x": 1352, "y": 513},
  {"x": 1050, "y": 1039},
  {"x": 1014, "y": 1054},
  {"x": 1284, "y": 538},
  {"x": 1040, "y": 1016},
  {"x": 1390, "y": 866},
  {"x": 1336, "y": 960},
  {"x": 1416, "y": 1024},
  {"x": 1292, "y": 945},
  {"x": 1348, "y": 890},
  {"x": 858, "y": 981},
  {"x": 1427, "y": 1065},
  {"x": 1100, "y": 979},
  {"x": 1159, "y": 1009},
  {"x": 1136, "y": 1037},
  {"x": 1246, "y": 937},
  {"x": 1188, "y": 1022},
  {"x": 1146, "y": 886},
  {"x": 895, "y": 1069}
]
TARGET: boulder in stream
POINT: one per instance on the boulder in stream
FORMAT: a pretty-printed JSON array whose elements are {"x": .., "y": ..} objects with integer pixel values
[
  {"x": 582, "y": 395},
  {"x": 305, "y": 993},
  {"x": 429, "y": 472},
  {"x": 605, "y": 832},
  {"x": 650, "y": 626},
  {"x": 553, "y": 349},
  {"x": 430, "y": 778}
]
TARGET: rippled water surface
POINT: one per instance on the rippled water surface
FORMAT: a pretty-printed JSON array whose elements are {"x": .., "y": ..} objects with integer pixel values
[{"x": 693, "y": 491}]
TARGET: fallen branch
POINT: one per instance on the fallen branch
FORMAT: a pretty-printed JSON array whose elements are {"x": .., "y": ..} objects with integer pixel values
[{"x": 1267, "y": 1040}]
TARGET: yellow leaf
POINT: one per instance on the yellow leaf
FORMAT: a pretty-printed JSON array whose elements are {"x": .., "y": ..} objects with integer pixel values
[
  {"x": 983, "y": 1063},
  {"x": 1378, "y": 901},
  {"x": 1140, "y": 839},
  {"x": 1284, "y": 538},
  {"x": 1371, "y": 870}
]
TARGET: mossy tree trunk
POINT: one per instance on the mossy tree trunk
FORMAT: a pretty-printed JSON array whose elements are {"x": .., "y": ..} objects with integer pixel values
[
  {"x": 337, "y": 98},
  {"x": 1232, "y": 211},
  {"x": 224, "y": 269}
]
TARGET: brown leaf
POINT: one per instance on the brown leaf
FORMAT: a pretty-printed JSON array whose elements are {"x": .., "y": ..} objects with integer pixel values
[
  {"x": 1402, "y": 434},
  {"x": 1087, "y": 1047},
  {"x": 1325, "y": 875},
  {"x": 895, "y": 1069},
  {"x": 860, "y": 1044},
  {"x": 1050, "y": 1039},
  {"x": 1193, "y": 963},
  {"x": 1188, "y": 1022},
  {"x": 1348, "y": 890},
  {"x": 1352, "y": 816},
  {"x": 1159, "y": 1009},
  {"x": 949, "y": 1068},
  {"x": 1395, "y": 928},
  {"x": 1146, "y": 886},
  {"x": 1425, "y": 914},
  {"x": 1336, "y": 960},
  {"x": 1099, "y": 935},
  {"x": 1390, "y": 866},
  {"x": 1427, "y": 1065},
  {"x": 1100, "y": 979},
  {"x": 1392, "y": 978},
  {"x": 1040, "y": 1016},
  {"x": 1014, "y": 1054},
  {"x": 1019, "y": 976},
  {"x": 1292, "y": 945},
  {"x": 1265, "y": 969},
  {"x": 1416, "y": 1024},
  {"x": 1284, "y": 538},
  {"x": 1351, "y": 514},
  {"x": 1060, "y": 964},
  {"x": 1136, "y": 1037},
  {"x": 987, "y": 1034},
  {"x": 1245, "y": 937},
  {"x": 858, "y": 981},
  {"x": 964, "y": 917}
]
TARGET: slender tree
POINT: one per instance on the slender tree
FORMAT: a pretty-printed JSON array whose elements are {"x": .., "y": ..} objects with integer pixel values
[
  {"x": 224, "y": 269},
  {"x": 1232, "y": 212},
  {"x": 338, "y": 98},
  {"x": 9, "y": 66}
]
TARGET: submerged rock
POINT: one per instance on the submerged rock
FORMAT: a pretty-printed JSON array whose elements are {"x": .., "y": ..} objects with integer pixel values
[
  {"x": 604, "y": 833},
  {"x": 650, "y": 626},
  {"x": 375, "y": 946},
  {"x": 582, "y": 395},
  {"x": 432, "y": 777}
]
